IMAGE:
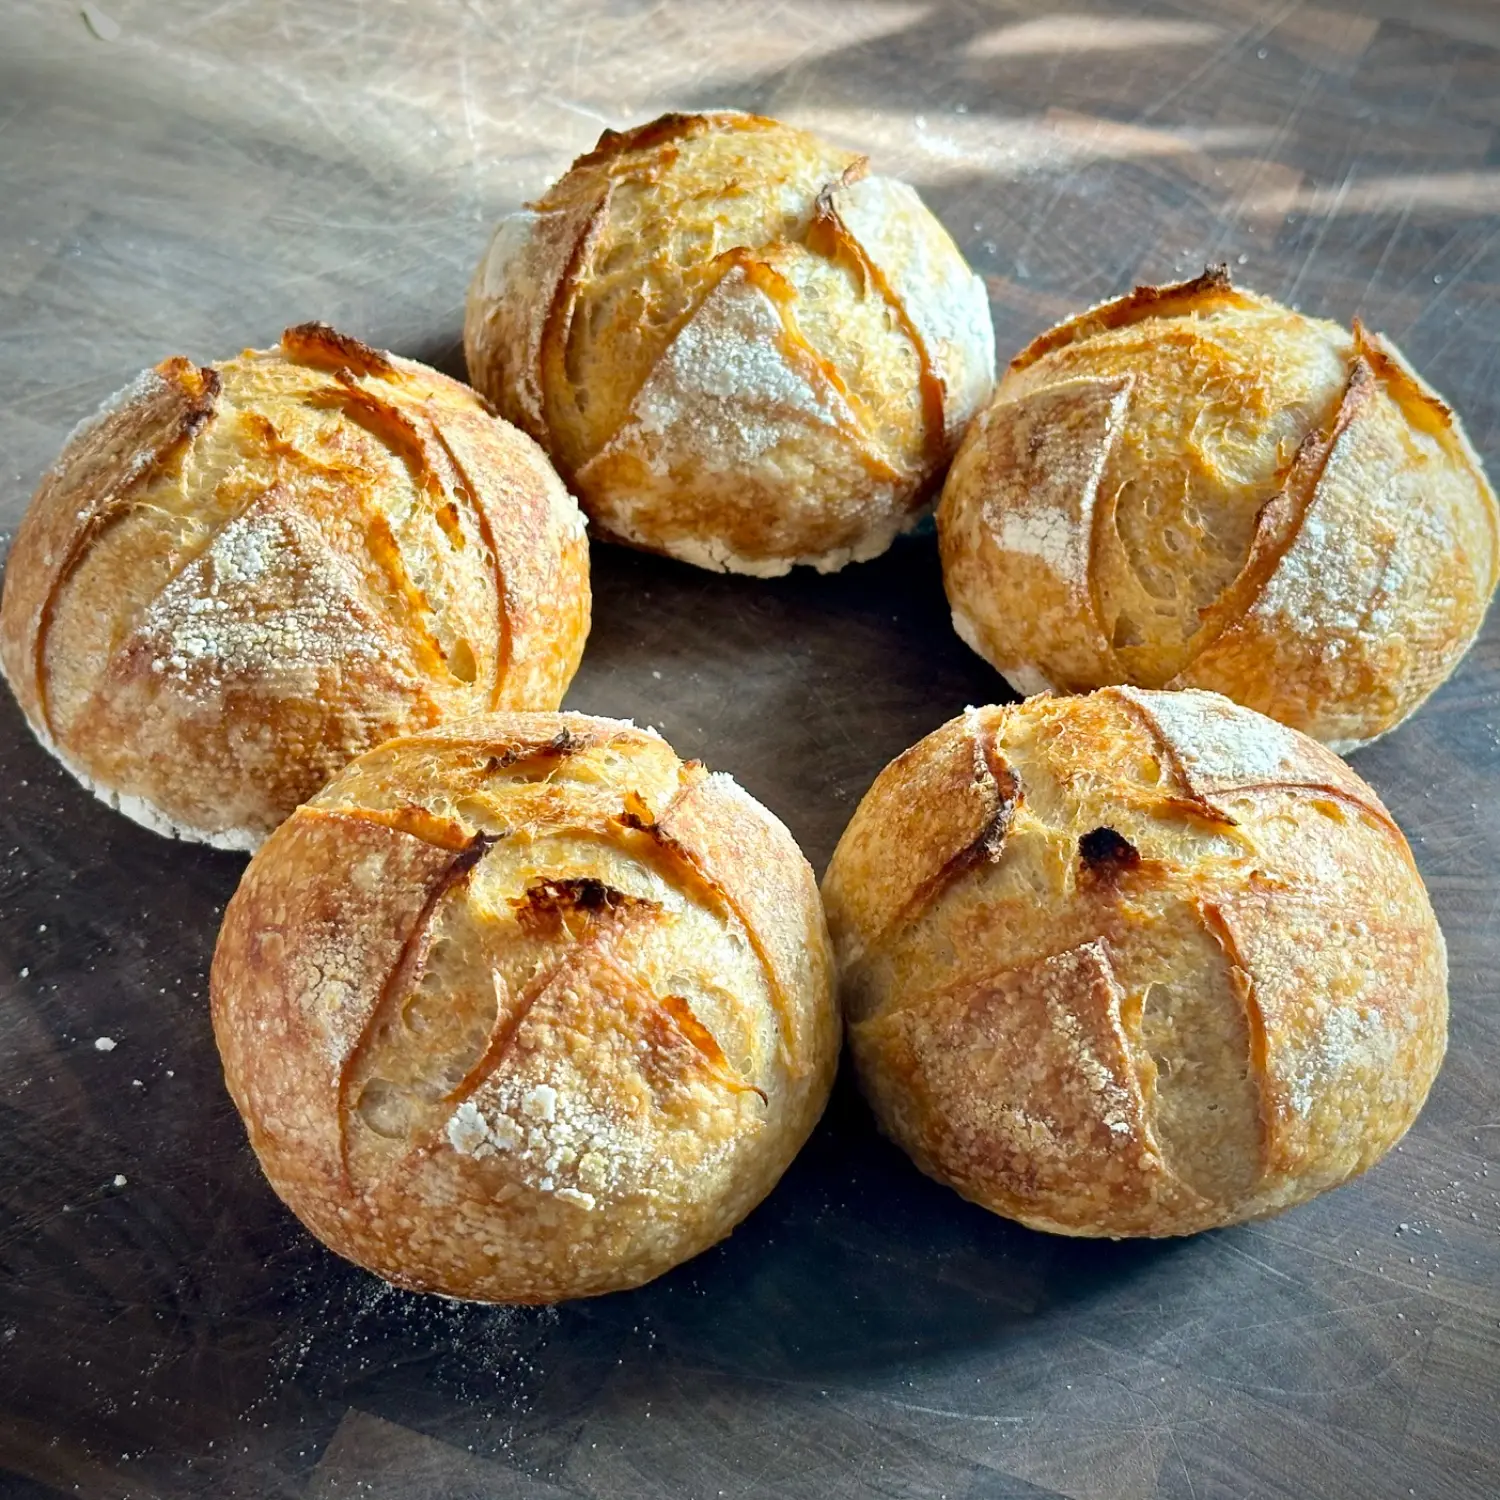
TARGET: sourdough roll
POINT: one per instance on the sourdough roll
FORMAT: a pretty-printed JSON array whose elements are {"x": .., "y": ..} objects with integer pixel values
[
  {"x": 237, "y": 577},
  {"x": 526, "y": 1008},
  {"x": 740, "y": 347},
  {"x": 1194, "y": 486},
  {"x": 1136, "y": 963}
]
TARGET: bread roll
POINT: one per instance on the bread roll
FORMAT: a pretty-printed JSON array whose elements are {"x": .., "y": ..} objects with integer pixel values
[
  {"x": 739, "y": 347},
  {"x": 236, "y": 577},
  {"x": 525, "y": 1008},
  {"x": 1135, "y": 963},
  {"x": 1197, "y": 487}
]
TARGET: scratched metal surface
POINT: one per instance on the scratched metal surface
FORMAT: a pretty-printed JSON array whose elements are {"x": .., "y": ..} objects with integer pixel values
[{"x": 189, "y": 177}]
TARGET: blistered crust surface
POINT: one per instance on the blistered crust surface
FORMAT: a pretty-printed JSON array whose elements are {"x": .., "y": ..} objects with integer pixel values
[
  {"x": 237, "y": 578},
  {"x": 1135, "y": 963},
  {"x": 747, "y": 377},
  {"x": 525, "y": 1008},
  {"x": 1195, "y": 487}
]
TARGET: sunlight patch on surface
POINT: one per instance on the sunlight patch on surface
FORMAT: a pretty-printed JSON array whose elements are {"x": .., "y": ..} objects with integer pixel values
[
  {"x": 1443, "y": 192},
  {"x": 937, "y": 148},
  {"x": 1048, "y": 36}
]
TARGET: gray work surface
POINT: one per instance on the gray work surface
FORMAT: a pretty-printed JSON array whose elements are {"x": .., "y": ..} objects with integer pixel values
[{"x": 191, "y": 177}]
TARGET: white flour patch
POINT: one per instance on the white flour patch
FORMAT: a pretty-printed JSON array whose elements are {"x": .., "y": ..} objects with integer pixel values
[{"x": 1043, "y": 532}]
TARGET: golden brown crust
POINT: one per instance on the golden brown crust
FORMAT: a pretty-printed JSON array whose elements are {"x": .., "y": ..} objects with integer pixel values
[
  {"x": 524, "y": 1008},
  {"x": 318, "y": 344},
  {"x": 746, "y": 854},
  {"x": 1213, "y": 288},
  {"x": 1195, "y": 979},
  {"x": 236, "y": 579},
  {"x": 1383, "y": 585},
  {"x": 929, "y": 817},
  {"x": 962, "y": 1072},
  {"x": 105, "y": 465},
  {"x": 308, "y": 956},
  {"x": 1299, "y": 524},
  {"x": 744, "y": 378},
  {"x": 1018, "y": 518}
]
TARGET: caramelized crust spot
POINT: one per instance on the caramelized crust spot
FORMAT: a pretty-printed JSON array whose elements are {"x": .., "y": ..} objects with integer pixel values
[
  {"x": 1106, "y": 854},
  {"x": 547, "y": 904},
  {"x": 672, "y": 126},
  {"x": 327, "y": 349},
  {"x": 1181, "y": 299}
]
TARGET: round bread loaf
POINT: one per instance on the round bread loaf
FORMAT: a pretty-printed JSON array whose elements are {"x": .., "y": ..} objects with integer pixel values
[
  {"x": 1135, "y": 963},
  {"x": 525, "y": 1008},
  {"x": 237, "y": 577},
  {"x": 1197, "y": 487},
  {"x": 738, "y": 346}
]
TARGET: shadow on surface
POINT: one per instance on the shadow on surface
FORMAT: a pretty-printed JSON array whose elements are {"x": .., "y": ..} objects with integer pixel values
[
  {"x": 802, "y": 687},
  {"x": 859, "y": 1265}
]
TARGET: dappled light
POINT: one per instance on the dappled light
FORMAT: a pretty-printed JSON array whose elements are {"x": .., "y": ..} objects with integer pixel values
[{"x": 1064, "y": 35}]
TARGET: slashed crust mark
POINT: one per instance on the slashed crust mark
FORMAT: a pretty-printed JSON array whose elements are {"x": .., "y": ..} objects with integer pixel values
[
  {"x": 491, "y": 756},
  {"x": 447, "y": 833},
  {"x": 465, "y": 489},
  {"x": 1279, "y": 521},
  {"x": 1186, "y": 797},
  {"x": 199, "y": 388},
  {"x": 1001, "y": 787},
  {"x": 441, "y": 833},
  {"x": 673, "y": 126},
  {"x": 1179, "y": 299},
  {"x": 1242, "y": 979},
  {"x": 828, "y": 236},
  {"x": 1430, "y": 414},
  {"x": 398, "y": 433},
  {"x": 1102, "y": 517},
  {"x": 557, "y": 321},
  {"x": 404, "y": 972},
  {"x": 324, "y": 348},
  {"x": 680, "y": 1012},
  {"x": 1189, "y": 798},
  {"x": 651, "y": 841},
  {"x": 676, "y": 1014},
  {"x": 1325, "y": 791},
  {"x": 562, "y": 744}
]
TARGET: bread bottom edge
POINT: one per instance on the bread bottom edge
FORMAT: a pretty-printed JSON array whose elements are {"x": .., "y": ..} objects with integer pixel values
[
  {"x": 714, "y": 557},
  {"x": 146, "y": 813}
]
